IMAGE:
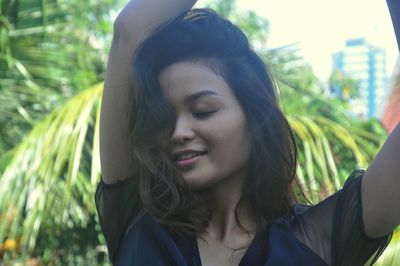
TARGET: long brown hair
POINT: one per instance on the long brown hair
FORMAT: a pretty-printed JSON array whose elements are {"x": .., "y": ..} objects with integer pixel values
[{"x": 202, "y": 35}]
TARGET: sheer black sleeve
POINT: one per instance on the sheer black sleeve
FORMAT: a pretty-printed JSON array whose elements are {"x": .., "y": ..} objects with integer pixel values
[
  {"x": 118, "y": 205},
  {"x": 334, "y": 228}
]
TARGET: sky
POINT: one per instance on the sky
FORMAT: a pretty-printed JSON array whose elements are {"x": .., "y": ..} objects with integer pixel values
[{"x": 322, "y": 26}]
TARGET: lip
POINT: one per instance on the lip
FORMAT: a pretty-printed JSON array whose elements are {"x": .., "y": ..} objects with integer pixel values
[
  {"x": 176, "y": 153},
  {"x": 190, "y": 161}
]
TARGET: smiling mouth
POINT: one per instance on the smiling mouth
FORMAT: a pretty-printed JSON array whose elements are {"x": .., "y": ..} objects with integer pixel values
[{"x": 188, "y": 155}]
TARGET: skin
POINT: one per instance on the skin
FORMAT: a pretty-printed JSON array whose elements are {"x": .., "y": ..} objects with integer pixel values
[{"x": 209, "y": 118}]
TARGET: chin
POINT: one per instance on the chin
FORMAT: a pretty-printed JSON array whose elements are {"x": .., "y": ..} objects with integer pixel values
[{"x": 197, "y": 184}]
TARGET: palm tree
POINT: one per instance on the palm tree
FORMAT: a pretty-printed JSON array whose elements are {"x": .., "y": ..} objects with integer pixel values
[
  {"x": 48, "y": 186},
  {"x": 47, "y": 55}
]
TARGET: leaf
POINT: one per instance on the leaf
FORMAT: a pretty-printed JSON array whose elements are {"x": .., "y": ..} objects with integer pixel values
[{"x": 31, "y": 184}]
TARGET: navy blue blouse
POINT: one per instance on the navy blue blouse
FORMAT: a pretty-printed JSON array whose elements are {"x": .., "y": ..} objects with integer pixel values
[
  {"x": 328, "y": 233},
  {"x": 148, "y": 243}
]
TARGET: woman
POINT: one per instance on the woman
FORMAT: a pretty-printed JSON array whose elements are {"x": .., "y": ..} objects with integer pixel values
[{"x": 200, "y": 170}]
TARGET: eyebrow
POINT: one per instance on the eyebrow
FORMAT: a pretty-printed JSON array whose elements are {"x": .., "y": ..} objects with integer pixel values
[{"x": 195, "y": 96}]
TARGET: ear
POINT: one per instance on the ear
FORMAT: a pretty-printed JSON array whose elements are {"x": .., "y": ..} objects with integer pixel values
[{"x": 394, "y": 9}]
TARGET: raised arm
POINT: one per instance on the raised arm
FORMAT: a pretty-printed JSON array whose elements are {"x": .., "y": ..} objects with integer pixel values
[
  {"x": 134, "y": 23},
  {"x": 380, "y": 191}
]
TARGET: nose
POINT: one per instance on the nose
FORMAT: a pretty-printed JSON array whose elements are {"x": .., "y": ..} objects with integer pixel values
[{"x": 183, "y": 131}]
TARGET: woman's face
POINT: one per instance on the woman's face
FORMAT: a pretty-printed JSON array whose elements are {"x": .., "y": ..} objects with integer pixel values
[{"x": 210, "y": 142}]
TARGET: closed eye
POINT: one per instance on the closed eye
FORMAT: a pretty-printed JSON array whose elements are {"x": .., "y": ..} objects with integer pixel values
[{"x": 202, "y": 115}]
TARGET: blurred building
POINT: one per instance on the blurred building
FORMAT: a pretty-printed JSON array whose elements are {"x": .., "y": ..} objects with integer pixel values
[{"x": 366, "y": 64}]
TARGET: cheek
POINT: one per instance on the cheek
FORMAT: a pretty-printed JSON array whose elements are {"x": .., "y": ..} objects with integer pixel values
[
  {"x": 239, "y": 148},
  {"x": 231, "y": 137}
]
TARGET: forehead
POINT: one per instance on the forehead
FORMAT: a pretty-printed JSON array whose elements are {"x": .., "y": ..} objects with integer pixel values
[{"x": 183, "y": 79}]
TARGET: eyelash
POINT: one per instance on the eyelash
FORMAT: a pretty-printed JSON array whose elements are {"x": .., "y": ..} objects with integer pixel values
[{"x": 202, "y": 115}]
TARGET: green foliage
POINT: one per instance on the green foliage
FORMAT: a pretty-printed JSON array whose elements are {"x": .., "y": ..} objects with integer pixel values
[
  {"x": 255, "y": 27},
  {"x": 391, "y": 256},
  {"x": 53, "y": 171},
  {"x": 46, "y": 56},
  {"x": 343, "y": 86}
]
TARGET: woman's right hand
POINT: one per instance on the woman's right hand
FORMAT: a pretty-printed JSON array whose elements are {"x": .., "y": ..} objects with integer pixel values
[{"x": 135, "y": 23}]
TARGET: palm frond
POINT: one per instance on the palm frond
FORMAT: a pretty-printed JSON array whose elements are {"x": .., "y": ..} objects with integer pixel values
[
  {"x": 391, "y": 256},
  {"x": 46, "y": 181}
]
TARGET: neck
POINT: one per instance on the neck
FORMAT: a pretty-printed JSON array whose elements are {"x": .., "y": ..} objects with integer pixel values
[{"x": 223, "y": 226}]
